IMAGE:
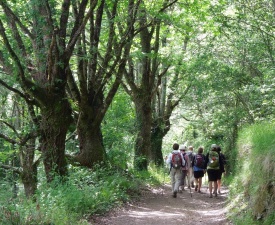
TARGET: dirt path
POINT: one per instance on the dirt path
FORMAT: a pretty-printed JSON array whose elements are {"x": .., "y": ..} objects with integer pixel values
[{"x": 158, "y": 207}]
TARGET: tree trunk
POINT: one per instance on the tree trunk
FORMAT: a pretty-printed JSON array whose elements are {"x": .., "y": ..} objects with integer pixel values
[
  {"x": 156, "y": 140},
  {"x": 143, "y": 140},
  {"x": 90, "y": 141},
  {"x": 29, "y": 167},
  {"x": 55, "y": 121}
]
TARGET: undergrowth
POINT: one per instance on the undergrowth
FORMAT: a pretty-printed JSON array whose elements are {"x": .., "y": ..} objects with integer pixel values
[
  {"x": 85, "y": 193},
  {"x": 253, "y": 186}
]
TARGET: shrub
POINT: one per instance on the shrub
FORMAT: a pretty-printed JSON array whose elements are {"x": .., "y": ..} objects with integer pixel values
[
  {"x": 85, "y": 193},
  {"x": 255, "y": 175}
]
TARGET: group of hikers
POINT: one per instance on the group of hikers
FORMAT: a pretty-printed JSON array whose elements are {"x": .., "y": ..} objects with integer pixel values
[{"x": 187, "y": 168}]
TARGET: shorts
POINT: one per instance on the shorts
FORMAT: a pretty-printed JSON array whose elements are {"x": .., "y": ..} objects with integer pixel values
[
  {"x": 213, "y": 175},
  {"x": 219, "y": 175},
  {"x": 198, "y": 174}
]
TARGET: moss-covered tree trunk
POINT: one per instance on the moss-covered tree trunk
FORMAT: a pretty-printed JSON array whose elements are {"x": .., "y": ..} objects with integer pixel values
[
  {"x": 156, "y": 141},
  {"x": 29, "y": 168},
  {"x": 55, "y": 121},
  {"x": 143, "y": 139},
  {"x": 90, "y": 141},
  {"x": 102, "y": 55},
  {"x": 39, "y": 49}
]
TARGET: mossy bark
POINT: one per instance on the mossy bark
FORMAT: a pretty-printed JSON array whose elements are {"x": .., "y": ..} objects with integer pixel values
[
  {"x": 90, "y": 141},
  {"x": 55, "y": 121}
]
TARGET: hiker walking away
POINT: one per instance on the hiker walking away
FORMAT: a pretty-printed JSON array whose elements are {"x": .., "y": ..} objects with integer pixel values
[
  {"x": 198, "y": 168},
  {"x": 176, "y": 162},
  {"x": 185, "y": 168},
  {"x": 213, "y": 165},
  {"x": 222, "y": 168},
  {"x": 190, "y": 175}
]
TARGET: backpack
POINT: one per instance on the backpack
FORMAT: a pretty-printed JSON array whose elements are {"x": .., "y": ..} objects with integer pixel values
[
  {"x": 223, "y": 158},
  {"x": 190, "y": 155},
  {"x": 199, "y": 161},
  {"x": 213, "y": 162},
  {"x": 176, "y": 161},
  {"x": 185, "y": 159}
]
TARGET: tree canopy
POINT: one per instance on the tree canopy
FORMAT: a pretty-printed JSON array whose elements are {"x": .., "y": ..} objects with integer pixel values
[{"x": 87, "y": 82}]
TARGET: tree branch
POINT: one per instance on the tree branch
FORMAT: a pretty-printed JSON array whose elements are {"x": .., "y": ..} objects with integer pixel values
[{"x": 17, "y": 170}]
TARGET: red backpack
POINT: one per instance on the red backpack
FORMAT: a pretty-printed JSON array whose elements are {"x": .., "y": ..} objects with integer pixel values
[
  {"x": 199, "y": 161},
  {"x": 176, "y": 160}
]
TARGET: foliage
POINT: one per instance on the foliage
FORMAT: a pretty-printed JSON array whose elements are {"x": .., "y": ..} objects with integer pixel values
[
  {"x": 222, "y": 50},
  {"x": 85, "y": 193},
  {"x": 253, "y": 187}
]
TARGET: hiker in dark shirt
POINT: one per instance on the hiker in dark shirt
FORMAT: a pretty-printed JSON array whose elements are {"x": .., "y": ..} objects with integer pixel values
[
  {"x": 222, "y": 168},
  {"x": 213, "y": 163},
  {"x": 198, "y": 168}
]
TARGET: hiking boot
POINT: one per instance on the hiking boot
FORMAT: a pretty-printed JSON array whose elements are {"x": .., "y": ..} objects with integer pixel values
[
  {"x": 216, "y": 195},
  {"x": 210, "y": 196},
  {"x": 219, "y": 192},
  {"x": 192, "y": 185},
  {"x": 174, "y": 194},
  {"x": 196, "y": 188}
]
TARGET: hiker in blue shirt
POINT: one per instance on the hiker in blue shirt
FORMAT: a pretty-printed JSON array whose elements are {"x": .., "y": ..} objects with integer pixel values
[
  {"x": 176, "y": 162},
  {"x": 198, "y": 168}
]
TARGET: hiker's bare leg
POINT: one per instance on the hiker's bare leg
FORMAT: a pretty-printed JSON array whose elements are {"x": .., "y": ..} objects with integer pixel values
[
  {"x": 219, "y": 185},
  {"x": 215, "y": 187},
  {"x": 199, "y": 184},
  {"x": 210, "y": 188},
  {"x": 196, "y": 184}
]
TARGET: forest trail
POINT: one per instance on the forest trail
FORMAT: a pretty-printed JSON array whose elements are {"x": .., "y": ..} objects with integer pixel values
[{"x": 158, "y": 207}]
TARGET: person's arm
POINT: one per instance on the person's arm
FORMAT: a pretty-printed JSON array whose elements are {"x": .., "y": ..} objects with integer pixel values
[
  {"x": 221, "y": 163},
  {"x": 193, "y": 160},
  {"x": 168, "y": 160},
  {"x": 206, "y": 161}
]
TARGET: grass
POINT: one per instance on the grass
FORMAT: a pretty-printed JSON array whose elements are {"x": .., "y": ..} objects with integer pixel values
[
  {"x": 253, "y": 186},
  {"x": 84, "y": 194}
]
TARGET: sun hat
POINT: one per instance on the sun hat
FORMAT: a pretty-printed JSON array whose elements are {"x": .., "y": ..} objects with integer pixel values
[{"x": 182, "y": 147}]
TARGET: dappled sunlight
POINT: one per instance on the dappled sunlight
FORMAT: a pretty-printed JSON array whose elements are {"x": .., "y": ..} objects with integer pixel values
[
  {"x": 152, "y": 214},
  {"x": 159, "y": 207}
]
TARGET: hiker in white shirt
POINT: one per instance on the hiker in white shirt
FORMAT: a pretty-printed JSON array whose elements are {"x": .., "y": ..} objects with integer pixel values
[{"x": 175, "y": 169}]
